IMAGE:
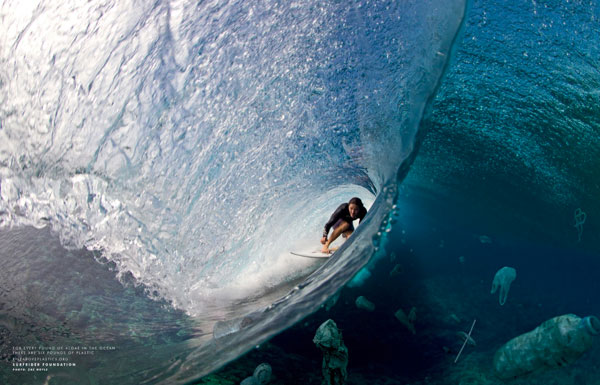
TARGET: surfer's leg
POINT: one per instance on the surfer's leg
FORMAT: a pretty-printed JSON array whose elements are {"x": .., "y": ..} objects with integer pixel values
[
  {"x": 341, "y": 228},
  {"x": 348, "y": 232}
]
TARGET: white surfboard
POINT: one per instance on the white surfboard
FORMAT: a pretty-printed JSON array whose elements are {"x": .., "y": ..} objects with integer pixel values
[{"x": 314, "y": 254}]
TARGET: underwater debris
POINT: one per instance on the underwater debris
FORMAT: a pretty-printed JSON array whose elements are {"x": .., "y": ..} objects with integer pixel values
[
  {"x": 467, "y": 340},
  {"x": 580, "y": 217},
  {"x": 328, "y": 339},
  {"x": 454, "y": 318},
  {"x": 261, "y": 375},
  {"x": 407, "y": 320},
  {"x": 332, "y": 301},
  {"x": 249, "y": 381},
  {"x": 557, "y": 342},
  {"x": 360, "y": 278},
  {"x": 364, "y": 304},
  {"x": 462, "y": 259},
  {"x": 464, "y": 337},
  {"x": 226, "y": 327},
  {"x": 397, "y": 270},
  {"x": 502, "y": 280},
  {"x": 485, "y": 239}
]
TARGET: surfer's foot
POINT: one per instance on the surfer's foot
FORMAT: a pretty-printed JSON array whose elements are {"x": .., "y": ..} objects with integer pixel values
[{"x": 325, "y": 250}]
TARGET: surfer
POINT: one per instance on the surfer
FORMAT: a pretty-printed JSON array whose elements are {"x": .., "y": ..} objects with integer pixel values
[{"x": 341, "y": 221}]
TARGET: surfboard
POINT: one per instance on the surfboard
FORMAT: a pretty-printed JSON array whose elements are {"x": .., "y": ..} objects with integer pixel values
[{"x": 314, "y": 254}]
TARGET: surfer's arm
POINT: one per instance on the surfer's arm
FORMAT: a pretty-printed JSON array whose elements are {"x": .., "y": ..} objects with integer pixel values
[
  {"x": 336, "y": 216},
  {"x": 324, "y": 239}
]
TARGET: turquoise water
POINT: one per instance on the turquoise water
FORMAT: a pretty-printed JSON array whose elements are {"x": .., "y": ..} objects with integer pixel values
[{"x": 158, "y": 161}]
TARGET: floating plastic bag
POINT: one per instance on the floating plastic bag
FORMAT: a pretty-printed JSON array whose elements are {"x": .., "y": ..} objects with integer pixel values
[{"x": 502, "y": 281}]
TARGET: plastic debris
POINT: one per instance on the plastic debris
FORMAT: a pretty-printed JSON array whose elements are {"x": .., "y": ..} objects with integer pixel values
[
  {"x": 580, "y": 217},
  {"x": 224, "y": 328},
  {"x": 364, "y": 304},
  {"x": 502, "y": 280},
  {"x": 249, "y": 381},
  {"x": 328, "y": 339},
  {"x": 261, "y": 376},
  {"x": 407, "y": 320},
  {"x": 467, "y": 340},
  {"x": 332, "y": 301},
  {"x": 485, "y": 239},
  {"x": 262, "y": 373},
  {"x": 555, "y": 343},
  {"x": 227, "y": 327},
  {"x": 360, "y": 278},
  {"x": 397, "y": 270},
  {"x": 454, "y": 318}
]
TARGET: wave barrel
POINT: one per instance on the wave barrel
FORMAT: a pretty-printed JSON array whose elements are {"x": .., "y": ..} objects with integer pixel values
[{"x": 557, "y": 342}]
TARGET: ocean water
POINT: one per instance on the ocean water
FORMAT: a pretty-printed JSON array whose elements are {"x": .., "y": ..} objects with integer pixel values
[{"x": 158, "y": 162}]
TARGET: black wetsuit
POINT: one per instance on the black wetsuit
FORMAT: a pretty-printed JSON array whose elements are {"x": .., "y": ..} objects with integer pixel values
[{"x": 343, "y": 214}]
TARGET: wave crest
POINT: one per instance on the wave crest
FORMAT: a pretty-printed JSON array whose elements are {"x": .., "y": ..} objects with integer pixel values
[{"x": 192, "y": 143}]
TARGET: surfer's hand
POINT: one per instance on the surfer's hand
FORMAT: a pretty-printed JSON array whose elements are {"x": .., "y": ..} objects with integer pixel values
[{"x": 323, "y": 240}]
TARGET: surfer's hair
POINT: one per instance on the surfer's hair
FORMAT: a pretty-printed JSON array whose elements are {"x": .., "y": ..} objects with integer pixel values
[{"x": 356, "y": 201}]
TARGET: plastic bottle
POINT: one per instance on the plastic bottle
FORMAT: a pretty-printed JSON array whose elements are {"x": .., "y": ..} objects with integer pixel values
[
  {"x": 555, "y": 343},
  {"x": 335, "y": 354}
]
